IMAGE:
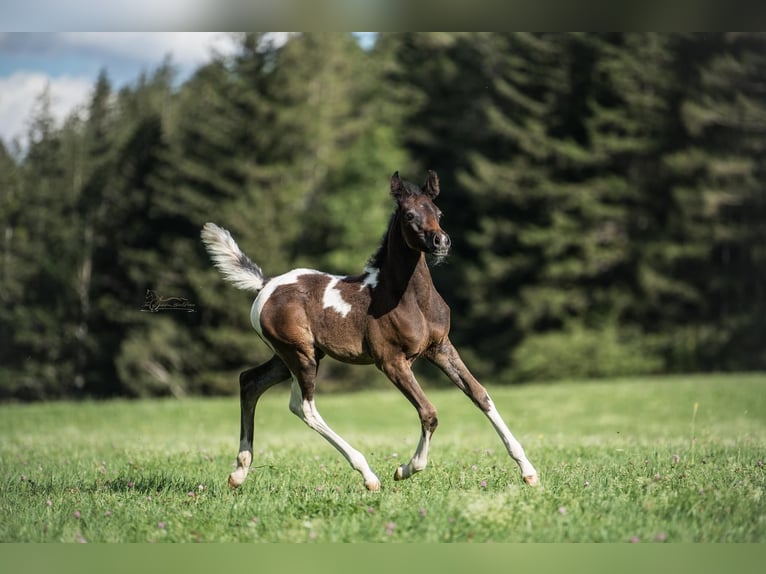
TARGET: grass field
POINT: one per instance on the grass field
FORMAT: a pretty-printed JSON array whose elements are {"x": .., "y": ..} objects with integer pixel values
[{"x": 620, "y": 461}]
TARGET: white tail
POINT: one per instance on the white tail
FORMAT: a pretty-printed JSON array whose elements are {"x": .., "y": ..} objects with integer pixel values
[{"x": 229, "y": 259}]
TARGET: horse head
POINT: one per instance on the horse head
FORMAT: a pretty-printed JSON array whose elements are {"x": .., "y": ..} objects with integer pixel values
[{"x": 418, "y": 216}]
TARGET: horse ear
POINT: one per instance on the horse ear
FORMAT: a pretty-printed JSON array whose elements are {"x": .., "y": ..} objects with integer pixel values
[
  {"x": 431, "y": 187},
  {"x": 397, "y": 189}
]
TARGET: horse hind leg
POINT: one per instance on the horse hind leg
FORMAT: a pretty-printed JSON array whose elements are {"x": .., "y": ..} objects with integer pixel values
[
  {"x": 302, "y": 404},
  {"x": 252, "y": 384}
]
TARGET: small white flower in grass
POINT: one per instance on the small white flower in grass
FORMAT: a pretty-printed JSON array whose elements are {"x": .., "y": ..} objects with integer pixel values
[
  {"x": 562, "y": 510},
  {"x": 49, "y": 502},
  {"x": 161, "y": 525},
  {"x": 77, "y": 514}
]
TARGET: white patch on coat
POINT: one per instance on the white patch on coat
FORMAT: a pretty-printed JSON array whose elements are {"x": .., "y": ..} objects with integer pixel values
[
  {"x": 371, "y": 280},
  {"x": 333, "y": 299},
  {"x": 288, "y": 278}
]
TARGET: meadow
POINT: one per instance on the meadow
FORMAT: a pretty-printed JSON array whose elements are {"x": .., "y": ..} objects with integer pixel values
[{"x": 650, "y": 460}]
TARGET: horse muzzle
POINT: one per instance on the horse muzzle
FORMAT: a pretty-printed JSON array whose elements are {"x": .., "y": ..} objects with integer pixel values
[{"x": 438, "y": 243}]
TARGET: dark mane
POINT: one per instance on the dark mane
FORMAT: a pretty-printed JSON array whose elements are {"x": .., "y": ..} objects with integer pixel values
[{"x": 376, "y": 260}]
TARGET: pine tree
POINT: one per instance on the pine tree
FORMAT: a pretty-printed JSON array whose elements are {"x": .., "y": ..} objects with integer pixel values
[
  {"x": 336, "y": 138},
  {"x": 41, "y": 254},
  {"x": 718, "y": 209}
]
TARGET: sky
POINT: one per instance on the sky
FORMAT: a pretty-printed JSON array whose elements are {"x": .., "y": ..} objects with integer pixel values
[{"x": 69, "y": 62}]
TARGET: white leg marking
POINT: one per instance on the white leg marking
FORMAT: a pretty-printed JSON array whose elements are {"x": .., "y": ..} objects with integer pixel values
[
  {"x": 332, "y": 298},
  {"x": 512, "y": 445},
  {"x": 244, "y": 460},
  {"x": 296, "y": 398},
  {"x": 419, "y": 460},
  {"x": 309, "y": 414}
]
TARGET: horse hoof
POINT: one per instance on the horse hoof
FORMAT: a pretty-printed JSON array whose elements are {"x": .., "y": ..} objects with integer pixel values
[
  {"x": 372, "y": 485},
  {"x": 235, "y": 479},
  {"x": 401, "y": 473},
  {"x": 532, "y": 480}
]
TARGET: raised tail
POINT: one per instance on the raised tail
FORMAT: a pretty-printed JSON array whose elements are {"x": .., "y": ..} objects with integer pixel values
[{"x": 236, "y": 267}]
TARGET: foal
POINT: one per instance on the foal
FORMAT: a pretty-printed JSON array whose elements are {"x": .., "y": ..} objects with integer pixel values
[{"x": 389, "y": 315}]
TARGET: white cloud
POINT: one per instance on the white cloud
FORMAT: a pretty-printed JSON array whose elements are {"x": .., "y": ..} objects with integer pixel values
[
  {"x": 19, "y": 92},
  {"x": 69, "y": 62},
  {"x": 186, "y": 48},
  {"x": 47, "y": 56}
]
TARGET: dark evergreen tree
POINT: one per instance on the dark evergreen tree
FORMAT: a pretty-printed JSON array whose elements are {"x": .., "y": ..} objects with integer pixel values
[
  {"x": 604, "y": 193},
  {"x": 40, "y": 256},
  {"x": 716, "y": 222}
]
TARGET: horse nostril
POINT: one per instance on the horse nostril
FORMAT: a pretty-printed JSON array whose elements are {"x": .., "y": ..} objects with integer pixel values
[{"x": 440, "y": 241}]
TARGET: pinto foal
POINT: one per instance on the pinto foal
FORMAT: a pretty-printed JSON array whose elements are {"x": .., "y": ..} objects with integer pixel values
[{"x": 389, "y": 315}]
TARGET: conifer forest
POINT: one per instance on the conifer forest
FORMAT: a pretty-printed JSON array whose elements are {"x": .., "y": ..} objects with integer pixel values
[{"x": 605, "y": 195}]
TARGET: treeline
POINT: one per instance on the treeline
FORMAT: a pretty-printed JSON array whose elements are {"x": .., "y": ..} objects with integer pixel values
[{"x": 604, "y": 193}]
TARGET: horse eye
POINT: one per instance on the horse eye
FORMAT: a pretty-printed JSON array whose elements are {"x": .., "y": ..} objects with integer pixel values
[{"x": 409, "y": 216}]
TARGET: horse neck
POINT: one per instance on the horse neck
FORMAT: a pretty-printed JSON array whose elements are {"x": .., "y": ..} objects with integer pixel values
[{"x": 402, "y": 269}]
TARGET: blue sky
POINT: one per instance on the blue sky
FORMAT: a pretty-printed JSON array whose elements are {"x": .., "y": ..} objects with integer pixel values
[{"x": 69, "y": 63}]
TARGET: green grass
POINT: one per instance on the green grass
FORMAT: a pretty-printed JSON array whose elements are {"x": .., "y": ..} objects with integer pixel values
[{"x": 619, "y": 461}]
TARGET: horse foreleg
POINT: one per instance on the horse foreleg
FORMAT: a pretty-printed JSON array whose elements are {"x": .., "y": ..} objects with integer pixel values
[
  {"x": 252, "y": 384},
  {"x": 401, "y": 375},
  {"x": 446, "y": 357}
]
